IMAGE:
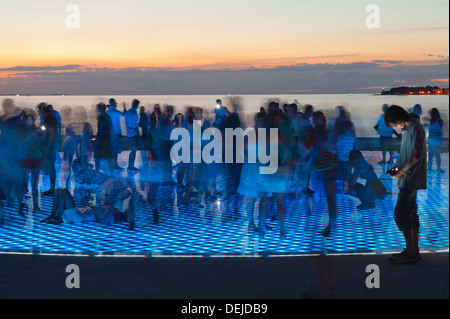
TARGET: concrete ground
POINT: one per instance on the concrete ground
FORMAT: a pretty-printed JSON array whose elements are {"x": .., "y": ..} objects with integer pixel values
[{"x": 341, "y": 277}]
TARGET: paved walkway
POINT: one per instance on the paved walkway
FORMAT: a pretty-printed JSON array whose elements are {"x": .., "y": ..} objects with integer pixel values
[{"x": 223, "y": 278}]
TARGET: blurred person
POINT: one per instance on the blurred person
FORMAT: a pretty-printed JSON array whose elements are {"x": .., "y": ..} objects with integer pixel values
[
  {"x": 189, "y": 167},
  {"x": 69, "y": 144},
  {"x": 345, "y": 143},
  {"x": 322, "y": 165},
  {"x": 165, "y": 145},
  {"x": 305, "y": 123},
  {"x": 103, "y": 147},
  {"x": 277, "y": 183},
  {"x": 145, "y": 136},
  {"x": 65, "y": 210},
  {"x": 86, "y": 148},
  {"x": 385, "y": 138},
  {"x": 260, "y": 118},
  {"x": 116, "y": 132},
  {"x": 416, "y": 112},
  {"x": 221, "y": 113},
  {"x": 115, "y": 192},
  {"x": 411, "y": 173},
  {"x": 9, "y": 109},
  {"x": 373, "y": 187},
  {"x": 294, "y": 117},
  {"x": 342, "y": 116},
  {"x": 30, "y": 153},
  {"x": 250, "y": 186},
  {"x": 435, "y": 139},
  {"x": 178, "y": 121},
  {"x": 234, "y": 168},
  {"x": 305, "y": 118},
  {"x": 49, "y": 144},
  {"x": 57, "y": 116},
  {"x": 231, "y": 171},
  {"x": 153, "y": 129},
  {"x": 13, "y": 178},
  {"x": 132, "y": 126}
]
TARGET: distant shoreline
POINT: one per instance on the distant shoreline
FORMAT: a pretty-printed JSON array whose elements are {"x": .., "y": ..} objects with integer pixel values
[
  {"x": 414, "y": 91},
  {"x": 262, "y": 94}
]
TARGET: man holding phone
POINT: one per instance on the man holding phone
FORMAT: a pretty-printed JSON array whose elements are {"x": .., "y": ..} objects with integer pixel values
[{"x": 411, "y": 173}]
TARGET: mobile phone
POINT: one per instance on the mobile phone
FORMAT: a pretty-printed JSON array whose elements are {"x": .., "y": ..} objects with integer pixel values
[{"x": 392, "y": 171}]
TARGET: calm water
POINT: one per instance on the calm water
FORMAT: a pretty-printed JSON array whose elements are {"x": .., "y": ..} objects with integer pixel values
[{"x": 365, "y": 109}]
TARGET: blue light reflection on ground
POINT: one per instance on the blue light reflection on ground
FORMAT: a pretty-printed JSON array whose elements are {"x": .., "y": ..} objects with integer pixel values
[{"x": 205, "y": 229}]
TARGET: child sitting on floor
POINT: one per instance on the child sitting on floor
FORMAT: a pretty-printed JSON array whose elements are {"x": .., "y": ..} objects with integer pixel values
[{"x": 373, "y": 189}]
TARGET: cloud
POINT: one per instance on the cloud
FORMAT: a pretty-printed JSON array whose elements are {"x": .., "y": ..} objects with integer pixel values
[
  {"x": 436, "y": 55},
  {"x": 43, "y": 68},
  {"x": 387, "y": 61},
  {"x": 313, "y": 78}
]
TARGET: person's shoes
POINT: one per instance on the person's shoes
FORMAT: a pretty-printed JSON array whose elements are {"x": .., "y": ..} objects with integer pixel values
[
  {"x": 262, "y": 233},
  {"x": 50, "y": 192},
  {"x": 54, "y": 221},
  {"x": 404, "y": 258},
  {"x": 365, "y": 206},
  {"x": 253, "y": 228},
  {"x": 283, "y": 235},
  {"x": 45, "y": 219},
  {"x": 308, "y": 191},
  {"x": 326, "y": 232},
  {"x": 131, "y": 225},
  {"x": 133, "y": 169},
  {"x": 169, "y": 183},
  {"x": 381, "y": 162},
  {"x": 118, "y": 167}
]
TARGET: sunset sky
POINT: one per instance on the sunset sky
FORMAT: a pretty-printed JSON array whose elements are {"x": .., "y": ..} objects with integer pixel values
[{"x": 217, "y": 46}]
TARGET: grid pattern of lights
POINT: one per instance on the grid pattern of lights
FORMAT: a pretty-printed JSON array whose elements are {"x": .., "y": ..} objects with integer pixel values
[{"x": 203, "y": 228}]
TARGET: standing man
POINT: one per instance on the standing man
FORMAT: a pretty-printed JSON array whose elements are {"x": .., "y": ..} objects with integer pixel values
[
  {"x": 116, "y": 131},
  {"x": 132, "y": 126},
  {"x": 49, "y": 145},
  {"x": 412, "y": 176}
]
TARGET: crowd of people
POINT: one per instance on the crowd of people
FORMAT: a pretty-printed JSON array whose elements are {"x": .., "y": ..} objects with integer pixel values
[{"x": 317, "y": 156}]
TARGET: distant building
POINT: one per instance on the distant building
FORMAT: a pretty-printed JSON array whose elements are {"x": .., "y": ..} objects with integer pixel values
[{"x": 405, "y": 90}]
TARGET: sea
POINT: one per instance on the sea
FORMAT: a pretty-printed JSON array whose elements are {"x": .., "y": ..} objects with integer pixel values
[{"x": 364, "y": 109}]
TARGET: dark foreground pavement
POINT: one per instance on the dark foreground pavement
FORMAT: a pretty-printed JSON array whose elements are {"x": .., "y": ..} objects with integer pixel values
[{"x": 341, "y": 277}]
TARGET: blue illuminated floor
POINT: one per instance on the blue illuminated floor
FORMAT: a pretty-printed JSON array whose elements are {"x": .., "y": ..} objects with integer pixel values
[{"x": 204, "y": 229}]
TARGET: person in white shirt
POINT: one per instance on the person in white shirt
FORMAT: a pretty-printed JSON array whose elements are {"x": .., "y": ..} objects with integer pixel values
[
  {"x": 116, "y": 131},
  {"x": 132, "y": 126}
]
